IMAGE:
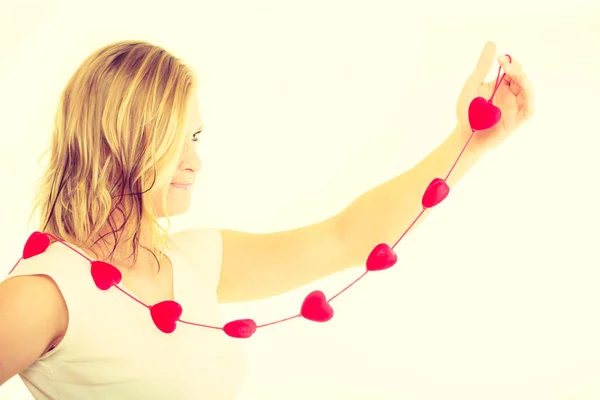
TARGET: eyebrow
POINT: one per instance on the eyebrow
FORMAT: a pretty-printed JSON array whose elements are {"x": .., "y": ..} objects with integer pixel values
[{"x": 199, "y": 129}]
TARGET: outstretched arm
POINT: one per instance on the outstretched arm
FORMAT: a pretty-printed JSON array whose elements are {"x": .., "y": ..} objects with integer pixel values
[
  {"x": 256, "y": 266},
  {"x": 259, "y": 266}
]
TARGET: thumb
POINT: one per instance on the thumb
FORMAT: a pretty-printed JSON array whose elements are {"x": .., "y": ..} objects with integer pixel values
[{"x": 488, "y": 55}]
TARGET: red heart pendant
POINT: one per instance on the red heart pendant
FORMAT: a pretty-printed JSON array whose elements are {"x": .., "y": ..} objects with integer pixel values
[
  {"x": 316, "y": 308},
  {"x": 435, "y": 193},
  {"x": 381, "y": 257},
  {"x": 483, "y": 114},
  {"x": 36, "y": 244},
  {"x": 241, "y": 328},
  {"x": 105, "y": 275},
  {"x": 165, "y": 315}
]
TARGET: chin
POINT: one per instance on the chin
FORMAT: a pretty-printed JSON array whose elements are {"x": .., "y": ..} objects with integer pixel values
[
  {"x": 173, "y": 209},
  {"x": 177, "y": 204}
]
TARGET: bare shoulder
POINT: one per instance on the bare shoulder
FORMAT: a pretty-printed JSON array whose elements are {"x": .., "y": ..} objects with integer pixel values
[
  {"x": 30, "y": 296},
  {"x": 35, "y": 312}
]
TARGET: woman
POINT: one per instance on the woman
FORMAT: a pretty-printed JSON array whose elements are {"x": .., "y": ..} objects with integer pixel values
[{"x": 123, "y": 155}]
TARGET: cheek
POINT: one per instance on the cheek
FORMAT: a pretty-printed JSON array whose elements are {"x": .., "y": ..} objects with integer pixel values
[{"x": 157, "y": 199}]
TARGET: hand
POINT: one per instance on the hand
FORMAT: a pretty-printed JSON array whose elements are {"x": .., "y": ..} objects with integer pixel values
[{"x": 514, "y": 97}]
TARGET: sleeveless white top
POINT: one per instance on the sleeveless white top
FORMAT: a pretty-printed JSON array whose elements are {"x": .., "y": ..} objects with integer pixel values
[{"x": 113, "y": 350}]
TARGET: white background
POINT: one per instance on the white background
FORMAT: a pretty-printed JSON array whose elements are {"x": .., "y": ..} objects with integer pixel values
[{"x": 309, "y": 104}]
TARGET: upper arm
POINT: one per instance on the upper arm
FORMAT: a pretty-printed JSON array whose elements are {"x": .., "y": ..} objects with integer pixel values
[
  {"x": 256, "y": 266},
  {"x": 33, "y": 314}
]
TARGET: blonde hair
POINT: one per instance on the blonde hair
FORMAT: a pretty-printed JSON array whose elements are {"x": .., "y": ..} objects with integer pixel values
[{"x": 117, "y": 137}]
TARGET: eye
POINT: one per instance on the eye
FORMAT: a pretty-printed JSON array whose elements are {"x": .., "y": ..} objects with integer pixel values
[{"x": 195, "y": 138}]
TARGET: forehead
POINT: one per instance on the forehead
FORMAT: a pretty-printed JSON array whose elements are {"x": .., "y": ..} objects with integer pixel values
[{"x": 194, "y": 119}]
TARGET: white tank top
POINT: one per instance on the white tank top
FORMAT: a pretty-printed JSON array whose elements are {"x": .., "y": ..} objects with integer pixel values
[{"x": 113, "y": 350}]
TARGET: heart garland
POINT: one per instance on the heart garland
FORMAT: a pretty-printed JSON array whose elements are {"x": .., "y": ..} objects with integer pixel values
[{"x": 482, "y": 113}]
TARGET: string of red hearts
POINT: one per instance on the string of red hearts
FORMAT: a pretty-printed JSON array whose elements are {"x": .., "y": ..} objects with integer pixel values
[{"x": 315, "y": 307}]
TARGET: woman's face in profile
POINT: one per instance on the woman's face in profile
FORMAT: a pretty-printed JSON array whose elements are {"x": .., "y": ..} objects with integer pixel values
[{"x": 188, "y": 166}]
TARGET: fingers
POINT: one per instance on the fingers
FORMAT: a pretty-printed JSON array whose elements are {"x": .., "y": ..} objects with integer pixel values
[
  {"x": 513, "y": 66},
  {"x": 519, "y": 85},
  {"x": 514, "y": 72},
  {"x": 528, "y": 106},
  {"x": 505, "y": 59}
]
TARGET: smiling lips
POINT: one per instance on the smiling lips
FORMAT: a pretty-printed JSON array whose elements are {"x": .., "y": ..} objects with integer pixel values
[{"x": 182, "y": 185}]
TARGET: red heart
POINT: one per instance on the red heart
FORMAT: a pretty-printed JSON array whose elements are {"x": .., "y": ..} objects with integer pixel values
[
  {"x": 105, "y": 275},
  {"x": 316, "y": 308},
  {"x": 165, "y": 315},
  {"x": 483, "y": 114},
  {"x": 241, "y": 328},
  {"x": 381, "y": 257},
  {"x": 37, "y": 243},
  {"x": 435, "y": 193}
]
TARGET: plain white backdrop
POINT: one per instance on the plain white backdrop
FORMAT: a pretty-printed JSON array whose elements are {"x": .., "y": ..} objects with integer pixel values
[{"x": 309, "y": 104}]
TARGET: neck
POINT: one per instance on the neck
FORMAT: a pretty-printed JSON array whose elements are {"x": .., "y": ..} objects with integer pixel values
[{"x": 122, "y": 256}]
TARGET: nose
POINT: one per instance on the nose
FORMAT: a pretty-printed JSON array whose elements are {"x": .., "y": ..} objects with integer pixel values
[{"x": 191, "y": 161}]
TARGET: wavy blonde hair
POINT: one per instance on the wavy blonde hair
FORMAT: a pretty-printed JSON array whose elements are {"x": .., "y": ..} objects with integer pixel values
[{"x": 117, "y": 135}]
